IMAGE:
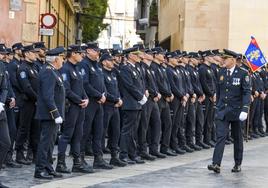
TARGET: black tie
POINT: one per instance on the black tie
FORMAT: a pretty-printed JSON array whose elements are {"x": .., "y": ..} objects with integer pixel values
[{"x": 228, "y": 73}]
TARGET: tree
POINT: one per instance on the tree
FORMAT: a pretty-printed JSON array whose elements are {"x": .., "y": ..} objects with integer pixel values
[{"x": 92, "y": 19}]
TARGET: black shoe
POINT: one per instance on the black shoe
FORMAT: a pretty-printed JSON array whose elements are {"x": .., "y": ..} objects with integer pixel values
[
  {"x": 127, "y": 160},
  {"x": 89, "y": 152},
  {"x": 55, "y": 174},
  {"x": 21, "y": 159},
  {"x": 179, "y": 151},
  {"x": 214, "y": 167},
  {"x": 236, "y": 168},
  {"x": 3, "y": 186},
  {"x": 62, "y": 168},
  {"x": 195, "y": 147},
  {"x": 100, "y": 163},
  {"x": 106, "y": 150},
  {"x": 227, "y": 142},
  {"x": 157, "y": 154},
  {"x": 43, "y": 175},
  {"x": 212, "y": 144},
  {"x": 12, "y": 164},
  {"x": 115, "y": 161},
  {"x": 146, "y": 156},
  {"x": 168, "y": 152},
  {"x": 231, "y": 139},
  {"x": 187, "y": 149},
  {"x": 253, "y": 135},
  {"x": 138, "y": 160},
  {"x": 260, "y": 134},
  {"x": 203, "y": 145},
  {"x": 61, "y": 165},
  {"x": 82, "y": 169}
]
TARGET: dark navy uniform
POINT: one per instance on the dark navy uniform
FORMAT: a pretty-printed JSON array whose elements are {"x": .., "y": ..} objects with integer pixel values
[
  {"x": 72, "y": 129},
  {"x": 5, "y": 142},
  {"x": 50, "y": 105},
  {"x": 209, "y": 87},
  {"x": 233, "y": 97},
  {"x": 29, "y": 127},
  {"x": 94, "y": 86},
  {"x": 132, "y": 92},
  {"x": 150, "y": 118},
  {"x": 175, "y": 78},
  {"x": 199, "y": 123},
  {"x": 163, "y": 85},
  {"x": 111, "y": 119},
  {"x": 12, "y": 68}
]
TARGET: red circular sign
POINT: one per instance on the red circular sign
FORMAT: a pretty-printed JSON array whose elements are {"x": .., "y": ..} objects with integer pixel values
[{"x": 48, "y": 20}]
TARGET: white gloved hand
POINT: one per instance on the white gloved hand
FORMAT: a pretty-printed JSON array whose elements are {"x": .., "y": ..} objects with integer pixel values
[
  {"x": 2, "y": 107},
  {"x": 243, "y": 116},
  {"x": 58, "y": 120},
  {"x": 143, "y": 100}
]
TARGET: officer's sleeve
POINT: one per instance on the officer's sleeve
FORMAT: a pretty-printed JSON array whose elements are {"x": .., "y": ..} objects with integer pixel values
[
  {"x": 24, "y": 81},
  {"x": 111, "y": 98},
  {"x": 126, "y": 79},
  {"x": 11, "y": 93},
  {"x": 173, "y": 86},
  {"x": 3, "y": 87},
  {"x": 151, "y": 85},
  {"x": 48, "y": 83},
  {"x": 69, "y": 93},
  {"x": 206, "y": 89},
  {"x": 161, "y": 88},
  {"x": 197, "y": 86},
  {"x": 246, "y": 92},
  {"x": 12, "y": 70},
  {"x": 90, "y": 91}
]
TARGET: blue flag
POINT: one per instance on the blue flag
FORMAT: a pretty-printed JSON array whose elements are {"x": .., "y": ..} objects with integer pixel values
[{"x": 254, "y": 55}]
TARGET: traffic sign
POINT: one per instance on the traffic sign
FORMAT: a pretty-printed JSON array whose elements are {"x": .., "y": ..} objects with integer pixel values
[
  {"x": 48, "y": 20},
  {"x": 46, "y": 32}
]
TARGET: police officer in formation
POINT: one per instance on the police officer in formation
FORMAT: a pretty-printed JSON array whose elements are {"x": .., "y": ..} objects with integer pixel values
[{"x": 140, "y": 104}]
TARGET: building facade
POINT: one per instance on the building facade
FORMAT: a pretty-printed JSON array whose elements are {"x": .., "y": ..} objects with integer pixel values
[
  {"x": 208, "y": 24},
  {"x": 21, "y": 21},
  {"x": 121, "y": 19}
]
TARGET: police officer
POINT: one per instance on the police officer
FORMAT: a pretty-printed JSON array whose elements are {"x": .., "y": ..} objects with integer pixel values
[
  {"x": 4, "y": 133},
  {"x": 94, "y": 86},
  {"x": 111, "y": 118},
  {"x": 149, "y": 131},
  {"x": 159, "y": 73},
  {"x": 9, "y": 105},
  {"x": 199, "y": 115},
  {"x": 76, "y": 102},
  {"x": 40, "y": 54},
  {"x": 12, "y": 68},
  {"x": 50, "y": 112},
  {"x": 29, "y": 127},
  {"x": 233, "y": 100},
  {"x": 209, "y": 87},
  {"x": 133, "y": 96},
  {"x": 177, "y": 105}
]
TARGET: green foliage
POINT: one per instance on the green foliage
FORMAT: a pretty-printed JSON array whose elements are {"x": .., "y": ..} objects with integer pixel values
[{"x": 92, "y": 19}]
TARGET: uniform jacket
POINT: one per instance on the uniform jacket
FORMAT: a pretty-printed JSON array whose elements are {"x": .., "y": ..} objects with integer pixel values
[
  {"x": 233, "y": 94},
  {"x": 51, "y": 94}
]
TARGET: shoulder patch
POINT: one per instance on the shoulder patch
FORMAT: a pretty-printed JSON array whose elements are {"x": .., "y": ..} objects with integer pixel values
[
  {"x": 247, "y": 78},
  {"x": 64, "y": 76},
  {"x": 23, "y": 74},
  {"x": 242, "y": 68}
]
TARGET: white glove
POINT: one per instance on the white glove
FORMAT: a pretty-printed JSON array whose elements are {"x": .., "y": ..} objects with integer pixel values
[
  {"x": 2, "y": 107},
  {"x": 58, "y": 120},
  {"x": 143, "y": 100},
  {"x": 243, "y": 116}
]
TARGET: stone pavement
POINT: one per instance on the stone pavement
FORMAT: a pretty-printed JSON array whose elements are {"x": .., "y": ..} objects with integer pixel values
[{"x": 183, "y": 171}]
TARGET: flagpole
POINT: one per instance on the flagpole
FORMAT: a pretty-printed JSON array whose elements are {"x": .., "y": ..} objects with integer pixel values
[{"x": 247, "y": 126}]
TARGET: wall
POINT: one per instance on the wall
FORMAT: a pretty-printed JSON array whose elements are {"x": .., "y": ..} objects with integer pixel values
[{"x": 248, "y": 18}]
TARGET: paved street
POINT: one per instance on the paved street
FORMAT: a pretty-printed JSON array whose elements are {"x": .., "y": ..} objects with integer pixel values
[{"x": 182, "y": 171}]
